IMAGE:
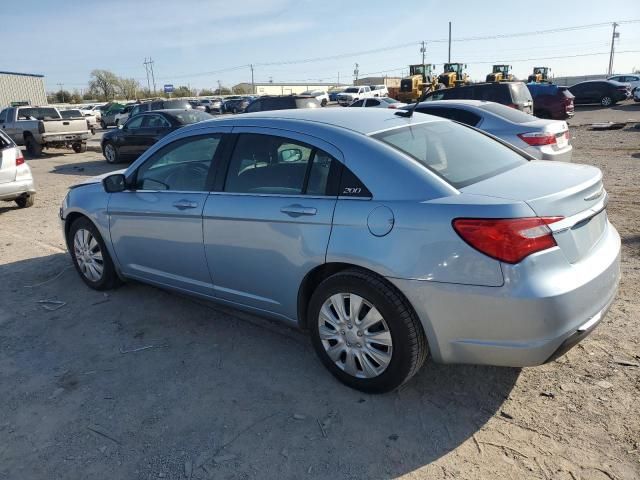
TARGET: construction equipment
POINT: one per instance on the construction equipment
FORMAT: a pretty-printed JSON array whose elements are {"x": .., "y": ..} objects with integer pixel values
[
  {"x": 500, "y": 73},
  {"x": 540, "y": 74},
  {"x": 419, "y": 82},
  {"x": 454, "y": 75}
]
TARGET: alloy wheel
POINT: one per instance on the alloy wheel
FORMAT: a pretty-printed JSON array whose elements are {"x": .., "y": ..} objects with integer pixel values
[
  {"x": 355, "y": 335},
  {"x": 110, "y": 153},
  {"x": 88, "y": 255}
]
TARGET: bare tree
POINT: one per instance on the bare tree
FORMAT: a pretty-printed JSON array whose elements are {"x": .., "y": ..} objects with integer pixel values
[
  {"x": 128, "y": 87},
  {"x": 104, "y": 84}
]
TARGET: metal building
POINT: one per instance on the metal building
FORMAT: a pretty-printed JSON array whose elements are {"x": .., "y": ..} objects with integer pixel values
[{"x": 22, "y": 88}]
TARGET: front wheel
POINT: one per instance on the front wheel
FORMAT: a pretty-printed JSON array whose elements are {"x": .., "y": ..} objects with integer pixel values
[
  {"x": 90, "y": 256},
  {"x": 606, "y": 101},
  {"x": 324, "y": 102},
  {"x": 33, "y": 148},
  {"x": 365, "y": 332}
]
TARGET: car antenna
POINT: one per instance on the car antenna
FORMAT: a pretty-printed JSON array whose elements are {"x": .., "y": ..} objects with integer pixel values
[{"x": 409, "y": 113}]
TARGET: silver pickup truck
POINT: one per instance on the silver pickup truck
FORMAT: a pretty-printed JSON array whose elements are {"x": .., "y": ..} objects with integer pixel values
[{"x": 44, "y": 127}]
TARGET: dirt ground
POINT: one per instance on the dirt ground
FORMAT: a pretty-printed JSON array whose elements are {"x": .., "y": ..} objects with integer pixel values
[{"x": 221, "y": 394}]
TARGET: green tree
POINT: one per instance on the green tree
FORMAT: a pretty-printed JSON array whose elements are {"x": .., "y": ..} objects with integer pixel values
[
  {"x": 182, "y": 91},
  {"x": 62, "y": 96},
  {"x": 222, "y": 91},
  {"x": 205, "y": 92},
  {"x": 104, "y": 84}
]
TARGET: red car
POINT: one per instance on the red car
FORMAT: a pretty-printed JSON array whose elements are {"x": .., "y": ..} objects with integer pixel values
[{"x": 551, "y": 101}]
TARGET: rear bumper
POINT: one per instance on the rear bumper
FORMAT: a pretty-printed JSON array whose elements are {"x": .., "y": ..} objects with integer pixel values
[
  {"x": 549, "y": 152},
  {"x": 16, "y": 189},
  {"x": 537, "y": 314},
  {"x": 65, "y": 138}
]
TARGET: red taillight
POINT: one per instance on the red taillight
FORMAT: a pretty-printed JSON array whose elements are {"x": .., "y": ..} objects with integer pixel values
[
  {"x": 19, "y": 157},
  {"x": 537, "y": 139},
  {"x": 508, "y": 240}
]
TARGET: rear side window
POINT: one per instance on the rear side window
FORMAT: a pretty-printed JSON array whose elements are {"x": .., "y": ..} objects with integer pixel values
[
  {"x": 508, "y": 113},
  {"x": 457, "y": 154},
  {"x": 267, "y": 164}
]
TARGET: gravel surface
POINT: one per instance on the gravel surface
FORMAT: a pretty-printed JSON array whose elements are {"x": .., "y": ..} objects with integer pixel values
[{"x": 139, "y": 383}]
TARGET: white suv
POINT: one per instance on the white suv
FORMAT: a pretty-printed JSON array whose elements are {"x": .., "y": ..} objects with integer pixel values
[{"x": 380, "y": 90}]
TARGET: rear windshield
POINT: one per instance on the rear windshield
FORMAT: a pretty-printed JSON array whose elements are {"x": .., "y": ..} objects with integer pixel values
[
  {"x": 192, "y": 116},
  {"x": 307, "y": 103},
  {"x": 458, "y": 154},
  {"x": 37, "y": 113},
  {"x": 351, "y": 90},
  {"x": 508, "y": 113},
  {"x": 520, "y": 92},
  {"x": 71, "y": 113},
  {"x": 168, "y": 104}
]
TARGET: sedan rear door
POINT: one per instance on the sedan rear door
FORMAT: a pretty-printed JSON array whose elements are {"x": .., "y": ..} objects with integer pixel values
[{"x": 269, "y": 223}]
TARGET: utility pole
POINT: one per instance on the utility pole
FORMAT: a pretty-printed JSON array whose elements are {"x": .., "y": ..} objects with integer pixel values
[
  {"x": 153, "y": 77},
  {"x": 338, "y": 78},
  {"x": 146, "y": 69},
  {"x": 423, "y": 50},
  {"x": 355, "y": 73},
  {"x": 614, "y": 35},
  {"x": 253, "y": 84},
  {"x": 219, "y": 88},
  {"x": 449, "y": 61},
  {"x": 61, "y": 90}
]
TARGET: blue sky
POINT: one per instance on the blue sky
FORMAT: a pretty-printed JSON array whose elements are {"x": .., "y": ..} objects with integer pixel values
[{"x": 192, "y": 40}]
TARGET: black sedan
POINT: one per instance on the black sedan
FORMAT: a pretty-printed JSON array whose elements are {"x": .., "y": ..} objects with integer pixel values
[
  {"x": 604, "y": 92},
  {"x": 140, "y": 132}
]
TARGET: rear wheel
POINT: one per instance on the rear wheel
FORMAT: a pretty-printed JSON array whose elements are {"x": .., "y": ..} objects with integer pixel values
[
  {"x": 324, "y": 102},
  {"x": 33, "y": 148},
  {"x": 111, "y": 153},
  {"x": 26, "y": 202},
  {"x": 79, "y": 147},
  {"x": 606, "y": 101},
  {"x": 90, "y": 256},
  {"x": 365, "y": 332}
]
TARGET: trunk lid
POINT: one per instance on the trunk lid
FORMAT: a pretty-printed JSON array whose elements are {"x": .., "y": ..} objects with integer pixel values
[{"x": 552, "y": 189}]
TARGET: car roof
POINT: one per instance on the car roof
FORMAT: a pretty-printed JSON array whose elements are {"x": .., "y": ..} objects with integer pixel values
[
  {"x": 455, "y": 103},
  {"x": 361, "y": 120}
]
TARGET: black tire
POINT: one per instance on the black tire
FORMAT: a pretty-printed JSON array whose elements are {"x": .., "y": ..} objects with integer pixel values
[
  {"x": 409, "y": 341},
  {"x": 115, "y": 158},
  {"x": 33, "y": 148},
  {"x": 606, "y": 101},
  {"x": 543, "y": 114},
  {"x": 26, "y": 202},
  {"x": 324, "y": 102},
  {"x": 79, "y": 147},
  {"x": 103, "y": 125},
  {"x": 109, "y": 278}
]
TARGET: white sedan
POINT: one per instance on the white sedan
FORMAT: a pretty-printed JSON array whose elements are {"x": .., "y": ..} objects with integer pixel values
[
  {"x": 378, "y": 102},
  {"x": 16, "y": 181}
]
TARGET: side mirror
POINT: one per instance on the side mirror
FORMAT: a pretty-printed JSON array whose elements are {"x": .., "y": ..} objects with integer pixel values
[
  {"x": 114, "y": 183},
  {"x": 291, "y": 155}
]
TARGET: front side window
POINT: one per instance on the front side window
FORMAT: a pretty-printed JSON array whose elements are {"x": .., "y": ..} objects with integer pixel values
[
  {"x": 455, "y": 153},
  {"x": 180, "y": 166},
  {"x": 265, "y": 164},
  {"x": 254, "y": 106},
  {"x": 359, "y": 103},
  {"x": 155, "y": 121}
]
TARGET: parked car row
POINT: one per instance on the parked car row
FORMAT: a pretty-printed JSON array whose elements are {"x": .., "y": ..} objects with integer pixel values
[{"x": 389, "y": 235}]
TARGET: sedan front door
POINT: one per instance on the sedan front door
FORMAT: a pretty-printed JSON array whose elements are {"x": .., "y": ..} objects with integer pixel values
[
  {"x": 269, "y": 224},
  {"x": 156, "y": 225}
]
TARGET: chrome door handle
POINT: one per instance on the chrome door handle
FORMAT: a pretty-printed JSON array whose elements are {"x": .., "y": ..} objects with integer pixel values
[
  {"x": 184, "y": 204},
  {"x": 298, "y": 210}
]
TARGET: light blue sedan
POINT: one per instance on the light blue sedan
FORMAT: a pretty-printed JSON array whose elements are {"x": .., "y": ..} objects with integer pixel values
[{"x": 389, "y": 237}]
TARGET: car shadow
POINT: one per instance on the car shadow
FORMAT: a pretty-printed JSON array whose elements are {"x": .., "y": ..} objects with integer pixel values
[
  {"x": 176, "y": 380},
  {"x": 624, "y": 107},
  {"x": 90, "y": 168}
]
